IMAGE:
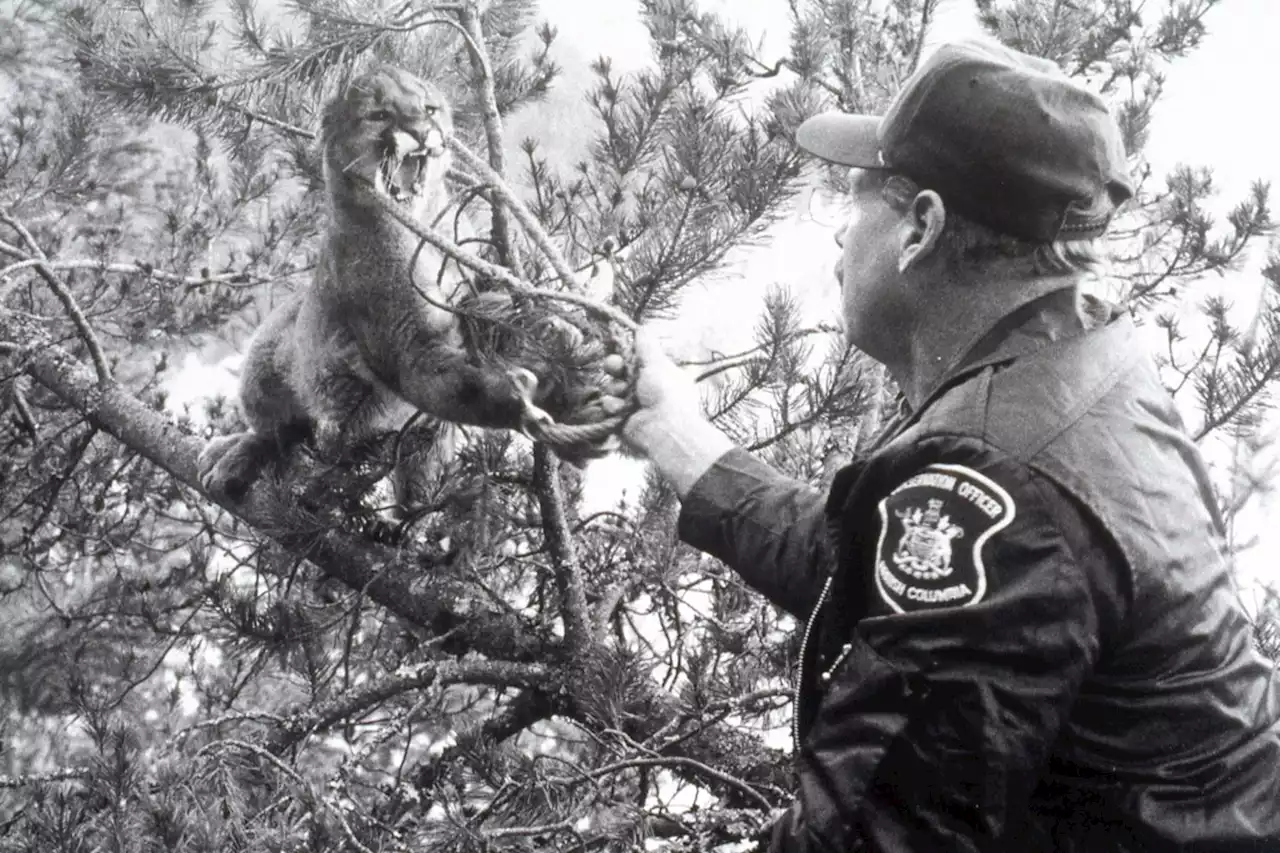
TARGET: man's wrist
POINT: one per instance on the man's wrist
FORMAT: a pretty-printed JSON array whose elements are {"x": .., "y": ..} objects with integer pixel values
[{"x": 682, "y": 447}]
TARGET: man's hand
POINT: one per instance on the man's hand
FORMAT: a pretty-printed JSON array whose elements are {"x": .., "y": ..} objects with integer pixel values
[
  {"x": 666, "y": 397},
  {"x": 668, "y": 428}
]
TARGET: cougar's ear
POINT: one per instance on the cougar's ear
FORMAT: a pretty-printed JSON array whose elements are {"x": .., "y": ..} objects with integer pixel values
[{"x": 921, "y": 229}]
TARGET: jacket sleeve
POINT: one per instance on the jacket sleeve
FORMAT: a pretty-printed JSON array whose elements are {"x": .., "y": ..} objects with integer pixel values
[
  {"x": 937, "y": 716},
  {"x": 768, "y": 528}
]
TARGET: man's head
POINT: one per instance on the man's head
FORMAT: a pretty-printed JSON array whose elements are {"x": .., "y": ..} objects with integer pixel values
[{"x": 985, "y": 154}]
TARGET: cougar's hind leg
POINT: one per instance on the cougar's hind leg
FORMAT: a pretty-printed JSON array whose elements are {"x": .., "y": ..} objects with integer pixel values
[
  {"x": 277, "y": 421},
  {"x": 423, "y": 479},
  {"x": 230, "y": 464}
]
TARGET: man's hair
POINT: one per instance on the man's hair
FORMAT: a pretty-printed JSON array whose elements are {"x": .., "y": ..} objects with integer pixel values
[{"x": 966, "y": 245}]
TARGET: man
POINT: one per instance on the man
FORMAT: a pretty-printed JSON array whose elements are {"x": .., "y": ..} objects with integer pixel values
[{"x": 1020, "y": 631}]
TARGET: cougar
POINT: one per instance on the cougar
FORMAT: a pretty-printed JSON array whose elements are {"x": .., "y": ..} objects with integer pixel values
[{"x": 371, "y": 341}]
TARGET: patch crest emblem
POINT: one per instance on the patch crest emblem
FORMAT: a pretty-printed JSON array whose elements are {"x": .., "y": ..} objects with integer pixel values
[{"x": 932, "y": 530}]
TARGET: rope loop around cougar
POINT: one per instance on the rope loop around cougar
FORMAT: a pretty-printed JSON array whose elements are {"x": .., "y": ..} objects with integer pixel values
[{"x": 568, "y": 438}]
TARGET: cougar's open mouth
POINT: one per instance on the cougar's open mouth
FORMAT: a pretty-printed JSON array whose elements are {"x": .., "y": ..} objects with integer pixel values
[
  {"x": 402, "y": 169},
  {"x": 403, "y": 177}
]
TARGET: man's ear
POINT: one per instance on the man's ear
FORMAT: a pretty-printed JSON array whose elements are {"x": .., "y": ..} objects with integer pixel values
[{"x": 921, "y": 229}]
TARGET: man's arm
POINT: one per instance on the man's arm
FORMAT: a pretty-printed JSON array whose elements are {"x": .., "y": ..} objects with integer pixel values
[
  {"x": 768, "y": 528},
  {"x": 937, "y": 718}
]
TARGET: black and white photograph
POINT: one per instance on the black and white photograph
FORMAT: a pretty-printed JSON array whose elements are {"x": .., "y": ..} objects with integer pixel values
[{"x": 639, "y": 426}]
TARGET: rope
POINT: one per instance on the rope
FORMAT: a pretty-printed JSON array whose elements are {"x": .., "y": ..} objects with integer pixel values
[
  {"x": 568, "y": 439},
  {"x": 578, "y": 439}
]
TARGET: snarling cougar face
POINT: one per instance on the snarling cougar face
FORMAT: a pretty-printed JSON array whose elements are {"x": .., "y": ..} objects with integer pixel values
[{"x": 386, "y": 134}]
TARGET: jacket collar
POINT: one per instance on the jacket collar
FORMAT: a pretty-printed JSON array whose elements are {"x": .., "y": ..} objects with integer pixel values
[{"x": 1029, "y": 328}]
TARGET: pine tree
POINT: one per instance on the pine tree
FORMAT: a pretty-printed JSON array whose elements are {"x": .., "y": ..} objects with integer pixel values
[{"x": 182, "y": 675}]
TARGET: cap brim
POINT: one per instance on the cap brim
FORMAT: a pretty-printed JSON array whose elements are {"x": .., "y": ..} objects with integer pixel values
[{"x": 850, "y": 140}]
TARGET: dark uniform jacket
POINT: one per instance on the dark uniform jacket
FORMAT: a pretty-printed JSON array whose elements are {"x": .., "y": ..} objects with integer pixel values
[{"x": 1021, "y": 632}]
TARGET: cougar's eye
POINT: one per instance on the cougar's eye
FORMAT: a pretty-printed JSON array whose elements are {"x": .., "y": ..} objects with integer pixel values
[
  {"x": 378, "y": 115},
  {"x": 430, "y": 109}
]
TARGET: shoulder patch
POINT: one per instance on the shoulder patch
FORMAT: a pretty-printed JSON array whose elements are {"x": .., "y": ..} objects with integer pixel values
[{"x": 932, "y": 529}]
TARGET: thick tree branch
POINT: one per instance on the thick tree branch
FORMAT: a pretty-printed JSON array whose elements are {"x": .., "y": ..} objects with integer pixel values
[{"x": 323, "y": 715}]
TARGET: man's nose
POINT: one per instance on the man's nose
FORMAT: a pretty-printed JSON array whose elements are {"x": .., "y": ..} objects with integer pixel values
[{"x": 839, "y": 236}]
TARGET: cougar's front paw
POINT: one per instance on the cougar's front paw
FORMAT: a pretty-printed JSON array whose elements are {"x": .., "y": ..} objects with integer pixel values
[
  {"x": 564, "y": 337},
  {"x": 228, "y": 465}
]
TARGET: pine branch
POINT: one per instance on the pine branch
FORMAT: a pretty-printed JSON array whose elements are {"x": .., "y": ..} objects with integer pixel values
[
  {"x": 1255, "y": 381},
  {"x": 501, "y": 274},
  {"x": 527, "y": 220},
  {"x": 333, "y": 808}
]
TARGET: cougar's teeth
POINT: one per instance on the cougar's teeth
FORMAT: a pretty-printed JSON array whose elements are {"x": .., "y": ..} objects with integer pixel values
[{"x": 386, "y": 171}]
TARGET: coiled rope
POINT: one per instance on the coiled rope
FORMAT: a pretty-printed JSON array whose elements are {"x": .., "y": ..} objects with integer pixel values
[{"x": 538, "y": 425}]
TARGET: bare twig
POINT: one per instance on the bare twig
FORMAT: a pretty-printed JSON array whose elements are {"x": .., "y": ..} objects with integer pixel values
[
  {"x": 225, "y": 719},
  {"x": 474, "y": 34},
  {"x": 64, "y": 296},
  {"x": 687, "y": 763},
  {"x": 524, "y": 831},
  {"x": 263, "y": 118}
]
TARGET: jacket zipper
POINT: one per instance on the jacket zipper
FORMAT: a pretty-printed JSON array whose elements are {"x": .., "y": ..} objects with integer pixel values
[{"x": 804, "y": 646}]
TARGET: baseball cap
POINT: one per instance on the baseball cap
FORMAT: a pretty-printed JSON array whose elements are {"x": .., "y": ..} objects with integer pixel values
[{"x": 1005, "y": 138}]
